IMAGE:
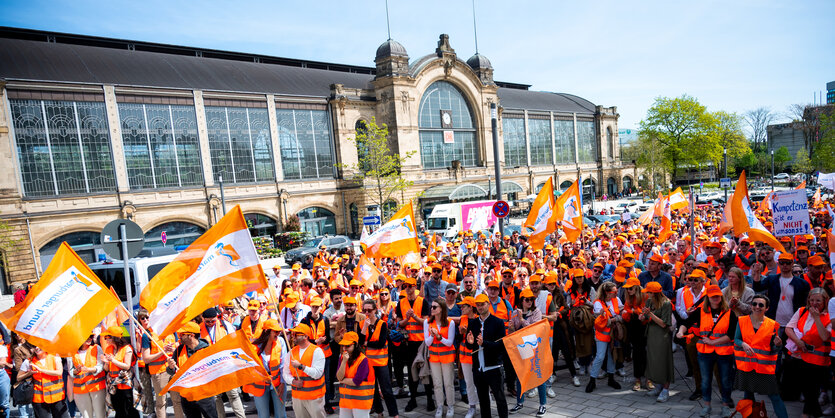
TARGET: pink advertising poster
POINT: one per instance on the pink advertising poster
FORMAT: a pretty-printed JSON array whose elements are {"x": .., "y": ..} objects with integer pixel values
[{"x": 477, "y": 216}]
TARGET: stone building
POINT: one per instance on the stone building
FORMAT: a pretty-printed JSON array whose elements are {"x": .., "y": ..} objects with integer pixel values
[{"x": 94, "y": 129}]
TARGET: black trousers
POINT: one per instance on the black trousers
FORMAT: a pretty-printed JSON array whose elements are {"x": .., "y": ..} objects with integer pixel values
[
  {"x": 488, "y": 381},
  {"x": 509, "y": 373},
  {"x": 397, "y": 358},
  {"x": 382, "y": 386},
  {"x": 412, "y": 348},
  {"x": 204, "y": 408},
  {"x": 51, "y": 410},
  {"x": 122, "y": 402},
  {"x": 636, "y": 332},
  {"x": 561, "y": 343}
]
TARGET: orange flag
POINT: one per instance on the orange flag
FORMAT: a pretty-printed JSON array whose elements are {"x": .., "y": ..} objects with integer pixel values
[
  {"x": 816, "y": 199},
  {"x": 726, "y": 223},
  {"x": 530, "y": 353},
  {"x": 765, "y": 205},
  {"x": 830, "y": 241},
  {"x": 568, "y": 212},
  {"x": 118, "y": 316},
  {"x": 666, "y": 222},
  {"x": 801, "y": 186},
  {"x": 745, "y": 221},
  {"x": 397, "y": 237},
  {"x": 63, "y": 307},
  {"x": 646, "y": 217},
  {"x": 678, "y": 201},
  {"x": 219, "y": 266},
  {"x": 658, "y": 209},
  {"x": 366, "y": 272},
  {"x": 221, "y": 367},
  {"x": 541, "y": 220}
]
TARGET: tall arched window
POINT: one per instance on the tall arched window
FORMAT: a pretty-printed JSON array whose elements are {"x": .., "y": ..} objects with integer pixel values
[
  {"x": 87, "y": 244},
  {"x": 317, "y": 221},
  {"x": 447, "y": 128}
]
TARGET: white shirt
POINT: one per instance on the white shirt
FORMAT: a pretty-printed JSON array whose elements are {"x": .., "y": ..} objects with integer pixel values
[
  {"x": 316, "y": 368},
  {"x": 598, "y": 307},
  {"x": 680, "y": 308},
  {"x": 541, "y": 301},
  {"x": 429, "y": 339},
  {"x": 289, "y": 320},
  {"x": 785, "y": 310}
]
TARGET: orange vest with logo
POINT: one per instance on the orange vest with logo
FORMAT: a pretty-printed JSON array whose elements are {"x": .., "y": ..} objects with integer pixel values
[
  {"x": 356, "y": 397},
  {"x": 602, "y": 331},
  {"x": 763, "y": 361},
  {"x": 274, "y": 368},
  {"x": 47, "y": 389},
  {"x": 311, "y": 388},
  {"x": 820, "y": 354},
  {"x": 158, "y": 366},
  {"x": 465, "y": 355},
  {"x": 87, "y": 382},
  {"x": 414, "y": 329},
  {"x": 709, "y": 330},
  {"x": 377, "y": 357},
  {"x": 438, "y": 352}
]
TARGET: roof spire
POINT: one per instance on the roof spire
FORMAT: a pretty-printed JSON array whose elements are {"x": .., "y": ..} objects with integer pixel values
[
  {"x": 388, "y": 25},
  {"x": 475, "y": 29}
]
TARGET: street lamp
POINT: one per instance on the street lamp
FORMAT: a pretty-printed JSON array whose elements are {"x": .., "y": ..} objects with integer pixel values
[
  {"x": 725, "y": 153},
  {"x": 772, "y": 170}
]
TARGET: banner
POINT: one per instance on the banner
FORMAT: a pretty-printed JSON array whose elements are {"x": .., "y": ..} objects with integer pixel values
[
  {"x": 790, "y": 213},
  {"x": 230, "y": 363},
  {"x": 220, "y": 265},
  {"x": 397, "y": 237},
  {"x": 477, "y": 216},
  {"x": 366, "y": 272},
  {"x": 540, "y": 221},
  {"x": 666, "y": 222},
  {"x": 568, "y": 212},
  {"x": 529, "y": 350},
  {"x": 63, "y": 307},
  {"x": 827, "y": 180},
  {"x": 677, "y": 200},
  {"x": 745, "y": 221}
]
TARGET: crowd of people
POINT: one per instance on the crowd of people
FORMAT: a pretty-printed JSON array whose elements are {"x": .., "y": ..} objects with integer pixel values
[{"x": 754, "y": 317}]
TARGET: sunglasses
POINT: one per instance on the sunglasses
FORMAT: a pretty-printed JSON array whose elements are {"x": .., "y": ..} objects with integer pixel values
[
  {"x": 436, "y": 307},
  {"x": 369, "y": 310},
  {"x": 384, "y": 294},
  {"x": 757, "y": 304},
  {"x": 470, "y": 267},
  {"x": 436, "y": 270},
  {"x": 786, "y": 263}
]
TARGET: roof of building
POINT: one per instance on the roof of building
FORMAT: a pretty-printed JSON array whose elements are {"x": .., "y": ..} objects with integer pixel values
[{"x": 32, "y": 55}]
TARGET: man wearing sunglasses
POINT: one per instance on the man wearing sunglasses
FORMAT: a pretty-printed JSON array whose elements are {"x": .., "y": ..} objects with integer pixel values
[
  {"x": 434, "y": 287},
  {"x": 789, "y": 291}
]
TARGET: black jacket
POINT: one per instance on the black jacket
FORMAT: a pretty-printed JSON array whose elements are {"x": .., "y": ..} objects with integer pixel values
[
  {"x": 493, "y": 345},
  {"x": 189, "y": 352}
]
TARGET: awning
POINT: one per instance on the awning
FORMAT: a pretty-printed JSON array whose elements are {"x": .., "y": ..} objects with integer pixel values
[
  {"x": 455, "y": 192},
  {"x": 508, "y": 186}
]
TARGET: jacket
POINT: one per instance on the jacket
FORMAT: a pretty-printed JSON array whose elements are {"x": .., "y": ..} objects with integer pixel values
[
  {"x": 359, "y": 318},
  {"x": 493, "y": 346},
  {"x": 420, "y": 367},
  {"x": 771, "y": 284}
]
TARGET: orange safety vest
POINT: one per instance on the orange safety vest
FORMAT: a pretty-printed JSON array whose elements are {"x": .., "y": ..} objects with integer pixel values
[
  {"x": 246, "y": 326},
  {"x": 687, "y": 296},
  {"x": 548, "y": 301},
  {"x": 502, "y": 313},
  {"x": 509, "y": 295},
  {"x": 763, "y": 361},
  {"x": 319, "y": 332},
  {"x": 138, "y": 337},
  {"x": 87, "y": 382},
  {"x": 356, "y": 397},
  {"x": 220, "y": 332},
  {"x": 602, "y": 331},
  {"x": 709, "y": 330},
  {"x": 47, "y": 389},
  {"x": 311, "y": 388},
  {"x": 113, "y": 371},
  {"x": 820, "y": 354},
  {"x": 158, "y": 366},
  {"x": 451, "y": 276},
  {"x": 274, "y": 368},
  {"x": 438, "y": 352},
  {"x": 377, "y": 357},
  {"x": 465, "y": 355},
  {"x": 413, "y": 328},
  {"x": 742, "y": 266}
]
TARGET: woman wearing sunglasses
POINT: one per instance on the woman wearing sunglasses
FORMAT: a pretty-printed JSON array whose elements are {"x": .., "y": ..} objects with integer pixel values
[
  {"x": 756, "y": 345},
  {"x": 808, "y": 334},
  {"x": 439, "y": 334}
]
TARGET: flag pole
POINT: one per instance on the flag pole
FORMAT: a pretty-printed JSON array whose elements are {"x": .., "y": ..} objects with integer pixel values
[{"x": 145, "y": 331}]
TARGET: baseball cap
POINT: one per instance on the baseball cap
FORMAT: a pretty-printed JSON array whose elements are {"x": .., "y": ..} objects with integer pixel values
[
  {"x": 302, "y": 329},
  {"x": 188, "y": 328},
  {"x": 467, "y": 300},
  {"x": 713, "y": 290},
  {"x": 481, "y": 298},
  {"x": 271, "y": 324},
  {"x": 349, "y": 299},
  {"x": 349, "y": 338},
  {"x": 632, "y": 282},
  {"x": 653, "y": 287},
  {"x": 253, "y": 304}
]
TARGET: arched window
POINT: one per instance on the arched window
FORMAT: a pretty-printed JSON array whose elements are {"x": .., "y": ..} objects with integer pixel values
[
  {"x": 589, "y": 188},
  {"x": 261, "y": 225},
  {"x": 317, "y": 221},
  {"x": 566, "y": 184},
  {"x": 611, "y": 186},
  {"x": 176, "y": 233},
  {"x": 627, "y": 184},
  {"x": 87, "y": 244},
  {"x": 447, "y": 128}
]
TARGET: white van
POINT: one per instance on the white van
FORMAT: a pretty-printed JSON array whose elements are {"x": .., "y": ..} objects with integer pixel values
[
  {"x": 450, "y": 218},
  {"x": 142, "y": 270}
]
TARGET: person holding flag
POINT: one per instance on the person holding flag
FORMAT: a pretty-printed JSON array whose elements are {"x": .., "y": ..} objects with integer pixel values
[
  {"x": 484, "y": 339},
  {"x": 306, "y": 373},
  {"x": 272, "y": 348},
  {"x": 155, "y": 359},
  {"x": 213, "y": 329},
  {"x": 191, "y": 343},
  {"x": 527, "y": 314}
]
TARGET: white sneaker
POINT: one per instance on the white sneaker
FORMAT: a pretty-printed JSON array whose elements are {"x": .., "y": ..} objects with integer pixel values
[
  {"x": 439, "y": 412},
  {"x": 552, "y": 378},
  {"x": 621, "y": 373},
  {"x": 395, "y": 391},
  {"x": 450, "y": 412},
  {"x": 551, "y": 393},
  {"x": 663, "y": 396},
  {"x": 532, "y": 393},
  {"x": 830, "y": 410},
  {"x": 823, "y": 399},
  {"x": 470, "y": 412},
  {"x": 576, "y": 364},
  {"x": 576, "y": 381}
]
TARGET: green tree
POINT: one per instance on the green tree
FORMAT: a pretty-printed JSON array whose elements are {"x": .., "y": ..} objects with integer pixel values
[
  {"x": 781, "y": 157},
  {"x": 802, "y": 163},
  {"x": 823, "y": 152},
  {"x": 644, "y": 151},
  {"x": 378, "y": 168},
  {"x": 731, "y": 138}
]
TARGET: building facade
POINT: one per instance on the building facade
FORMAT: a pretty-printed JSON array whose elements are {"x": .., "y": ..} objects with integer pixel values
[{"x": 95, "y": 129}]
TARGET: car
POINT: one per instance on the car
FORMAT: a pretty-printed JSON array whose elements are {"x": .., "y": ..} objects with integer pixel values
[
  {"x": 643, "y": 207},
  {"x": 781, "y": 176},
  {"x": 625, "y": 207},
  {"x": 311, "y": 247},
  {"x": 799, "y": 177}
]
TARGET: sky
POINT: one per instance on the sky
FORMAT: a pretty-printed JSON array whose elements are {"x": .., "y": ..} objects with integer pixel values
[{"x": 730, "y": 55}]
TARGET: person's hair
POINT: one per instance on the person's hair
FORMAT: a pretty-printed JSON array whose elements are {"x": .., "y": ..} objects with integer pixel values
[
  {"x": 325, "y": 281},
  {"x": 723, "y": 304},
  {"x": 586, "y": 285},
  {"x": 120, "y": 342},
  {"x": 142, "y": 313},
  {"x": 354, "y": 354},
  {"x": 307, "y": 281},
  {"x": 334, "y": 292},
  {"x": 638, "y": 298},
  {"x": 763, "y": 297},
  {"x": 818, "y": 291},
  {"x": 742, "y": 283},
  {"x": 657, "y": 300},
  {"x": 442, "y": 304},
  {"x": 370, "y": 301},
  {"x": 261, "y": 342},
  {"x": 604, "y": 289}
]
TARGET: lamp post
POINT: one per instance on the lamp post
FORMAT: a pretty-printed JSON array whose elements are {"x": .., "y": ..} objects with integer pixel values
[
  {"x": 725, "y": 153},
  {"x": 772, "y": 170}
]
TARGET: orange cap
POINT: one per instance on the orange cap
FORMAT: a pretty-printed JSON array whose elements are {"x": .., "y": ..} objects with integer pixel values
[
  {"x": 481, "y": 298},
  {"x": 653, "y": 287},
  {"x": 632, "y": 281},
  {"x": 349, "y": 338},
  {"x": 713, "y": 290}
]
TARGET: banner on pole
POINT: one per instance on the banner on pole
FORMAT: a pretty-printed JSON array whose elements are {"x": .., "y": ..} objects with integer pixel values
[{"x": 790, "y": 213}]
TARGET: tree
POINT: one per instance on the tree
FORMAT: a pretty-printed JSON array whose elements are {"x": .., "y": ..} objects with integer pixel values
[
  {"x": 781, "y": 157},
  {"x": 644, "y": 151},
  {"x": 758, "y": 120},
  {"x": 802, "y": 163},
  {"x": 378, "y": 168},
  {"x": 730, "y": 135},
  {"x": 823, "y": 156}
]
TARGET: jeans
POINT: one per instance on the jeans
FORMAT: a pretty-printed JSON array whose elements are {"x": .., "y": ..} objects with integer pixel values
[
  {"x": 262, "y": 403},
  {"x": 776, "y": 403},
  {"x": 25, "y": 411},
  {"x": 604, "y": 350},
  {"x": 51, "y": 410},
  {"x": 541, "y": 389},
  {"x": 5, "y": 387},
  {"x": 706, "y": 363}
]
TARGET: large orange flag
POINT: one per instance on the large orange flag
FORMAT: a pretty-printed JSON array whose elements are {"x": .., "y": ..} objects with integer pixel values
[
  {"x": 117, "y": 316},
  {"x": 801, "y": 186},
  {"x": 726, "y": 223},
  {"x": 366, "y": 272},
  {"x": 666, "y": 222},
  {"x": 816, "y": 199},
  {"x": 397, "y": 237},
  {"x": 678, "y": 201},
  {"x": 530, "y": 353},
  {"x": 745, "y": 221},
  {"x": 230, "y": 363},
  {"x": 646, "y": 217},
  {"x": 830, "y": 241},
  {"x": 568, "y": 212},
  {"x": 765, "y": 205},
  {"x": 658, "y": 209},
  {"x": 219, "y": 266},
  {"x": 63, "y": 307},
  {"x": 541, "y": 221}
]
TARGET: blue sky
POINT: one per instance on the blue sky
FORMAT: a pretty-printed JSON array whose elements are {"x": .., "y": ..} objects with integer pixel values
[{"x": 731, "y": 55}]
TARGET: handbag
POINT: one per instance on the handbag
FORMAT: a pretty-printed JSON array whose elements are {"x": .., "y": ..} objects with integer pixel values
[
  {"x": 24, "y": 392},
  {"x": 750, "y": 409}
]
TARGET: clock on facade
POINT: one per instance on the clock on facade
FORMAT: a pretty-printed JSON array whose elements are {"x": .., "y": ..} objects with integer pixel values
[{"x": 446, "y": 119}]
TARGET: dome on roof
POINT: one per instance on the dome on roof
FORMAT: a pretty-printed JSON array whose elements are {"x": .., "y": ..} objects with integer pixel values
[
  {"x": 391, "y": 48},
  {"x": 479, "y": 61}
]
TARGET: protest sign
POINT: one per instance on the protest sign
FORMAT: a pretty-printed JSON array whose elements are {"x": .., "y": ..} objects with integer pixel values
[{"x": 790, "y": 210}]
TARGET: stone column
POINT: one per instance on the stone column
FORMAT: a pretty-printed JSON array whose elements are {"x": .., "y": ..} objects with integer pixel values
[
  {"x": 203, "y": 139},
  {"x": 117, "y": 147}
]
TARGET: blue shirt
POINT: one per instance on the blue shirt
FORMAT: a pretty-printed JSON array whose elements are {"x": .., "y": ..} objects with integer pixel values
[{"x": 433, "y": 290}]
